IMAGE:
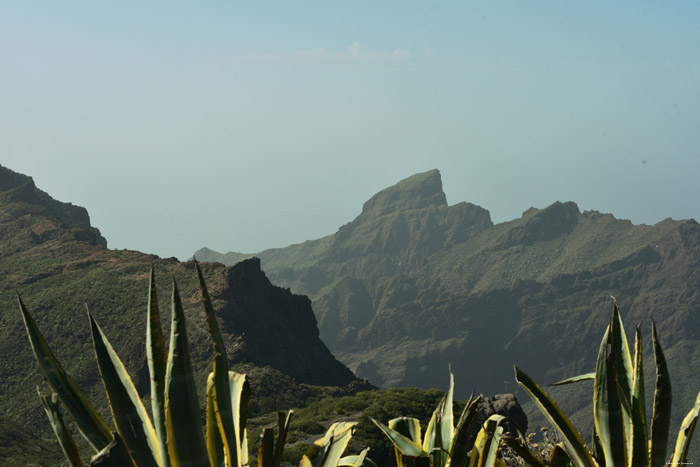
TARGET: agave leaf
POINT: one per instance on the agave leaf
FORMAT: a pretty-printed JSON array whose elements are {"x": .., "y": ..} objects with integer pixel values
[
  {"x": 406, "y": 446},
  {"x": 240, "y": 402},
  {"x": 283, "y": 423},
  {"x": 607, "y": 406},
  {"x": 485, "y": 450},
  {"x": 326, "y": 451},
  {"x": 215, "y": 447},
  {"x": 115, "y": 454},
  {"x": 360, "y": 460},
  {"x": 89, "y": 423},
  {"x": 572, "y": 441},
  {"x": 182, "y": 420},
  {"x": 266, "y": 451},
  {"x": 63, "y": 434},
  {"x": 438, "y": 435},
  {"x": 559, "y": 457},
  {"x": 128, "y": 412},
  {"x": 639, "y": 450},
  {"x": 621, "y": 350},
  {"x": 459, "y": 449},
  {"x": 661, "y": 416},
  {"x": 407, "y": 426},
  {"x": 685, "y": 434},
  {"x": 221, "y": 377},
  {"x": 575, "y": 379},
  {"x": 157, "y": 364}
]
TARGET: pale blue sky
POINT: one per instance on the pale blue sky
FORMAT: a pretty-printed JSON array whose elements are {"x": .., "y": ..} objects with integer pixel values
[{"x": 248, "y": 125}]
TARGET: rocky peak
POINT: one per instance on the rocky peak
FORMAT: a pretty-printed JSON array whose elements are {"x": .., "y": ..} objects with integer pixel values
[
  {"x": 415, "y": 192},
  {"x": 20, "y": 197}
]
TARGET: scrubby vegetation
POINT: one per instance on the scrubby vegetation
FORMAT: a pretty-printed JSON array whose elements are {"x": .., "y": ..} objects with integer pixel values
[{"x": 427, "y": 438}]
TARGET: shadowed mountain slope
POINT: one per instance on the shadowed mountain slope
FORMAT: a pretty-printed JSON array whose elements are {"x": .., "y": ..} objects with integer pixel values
[
  {"x": 413, "y": 284},
  {"x": 59, "y": 263}
]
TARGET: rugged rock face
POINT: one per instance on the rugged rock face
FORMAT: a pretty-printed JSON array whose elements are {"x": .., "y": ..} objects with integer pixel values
[
  {"x": 58, "y": 262},
  {"x": 413, "y": 284}
]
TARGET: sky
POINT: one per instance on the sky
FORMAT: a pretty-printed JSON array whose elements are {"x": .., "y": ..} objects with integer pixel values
[{"x": 246, "y": 125}]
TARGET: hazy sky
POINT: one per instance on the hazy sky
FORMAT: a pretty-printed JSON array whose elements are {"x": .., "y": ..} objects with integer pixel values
[{"x": 243, "y": 125}]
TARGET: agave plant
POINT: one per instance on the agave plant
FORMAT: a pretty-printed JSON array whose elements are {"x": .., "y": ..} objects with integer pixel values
[
  {"x": 174, "y": 436},
  {"x": 443, "y": 444},
  {"x": 621, "y": 437}
]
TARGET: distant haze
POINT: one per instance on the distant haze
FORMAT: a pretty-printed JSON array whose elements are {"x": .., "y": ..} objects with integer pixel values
[{"x": 249, "y": 125}]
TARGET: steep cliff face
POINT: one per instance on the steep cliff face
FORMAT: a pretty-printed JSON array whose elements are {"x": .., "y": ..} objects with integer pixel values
[{"x": 58, "y": 262}]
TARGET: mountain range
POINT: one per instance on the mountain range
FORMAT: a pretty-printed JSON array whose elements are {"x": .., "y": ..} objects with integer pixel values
[
  {"x": 59, "y": 263},
  {"x": 413, "y": 284}
]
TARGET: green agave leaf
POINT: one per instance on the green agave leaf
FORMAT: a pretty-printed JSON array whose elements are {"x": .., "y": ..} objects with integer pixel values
[
  {"x": 406, "y": 446},
  {"x": 266, "y": 451},
  {"x": 240, "y": 402},
  {"x": 485, "y": 450},
  {"x": 621, "y": 350},
  {"x": 182, "y": 420},
  {"x": 215, "y": 446},
  {"x": 685, "y": 434},
  {"x": 459, "y": 448},
  {"x": 440, "y": 431},
  {"x": 128, "y": 412},
  {"x": 157, "y": 364},
  {"x": 221, "y": 377},
  {"x": 407, "y": 426},
  {"x": 559, "y": 457},
  {"x": 283, "y": 423},
  {"x": 326, "y": 452},
  {"x": 575, "y": 379},
  {"x": 115, "y": 454},
  {"x": 89, "y": 423},
  {"x": 573, "y": 442},
  {"x": 607, "y": 406},
  {"x": 357, "y": 461},
  {"x": 661, "y": 416},
  {"x": 63, "y": 434},
  {"x": 639, "y": 450}
]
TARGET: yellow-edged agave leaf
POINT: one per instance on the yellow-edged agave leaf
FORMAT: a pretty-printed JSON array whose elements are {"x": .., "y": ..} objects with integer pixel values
[
  {"x": 459, "y": 447},
  {"x": 360, "y": 460},
  {"x": 221, "y": 377},
  {"x": 407, "y": 426},
  {"x": 284, "y": 420},
  {"x": 88, "y": 422},
  {"x": 128, "y": 412},
  {"x": 215, "y": 446},
  {"x": 685, "y": 434},
  {"x": 186, "y": 445},
  {"x": 573, "y": 442},
  {"x": 405, "y": 446},
  {"x": 440, "y": 430},
  {"x": 63, "y": 434},
  {"x": 485, "y": 450},
  {"x": 607, "y": 406},
  {"x": 115, "y": 454},
  {"x": 639, "y": 450},
  {"x": 266, "y": 451},
  {"x": 157, "y": 357},
  {"x": 661, "y": 415},
  {"x": 620, "y": 348},
  {"x": 326, "y": 452},
  {"x": 558, "y": 457},
  {"x": 240, "y": 402},
  {"x": 575, "y": 379}
]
